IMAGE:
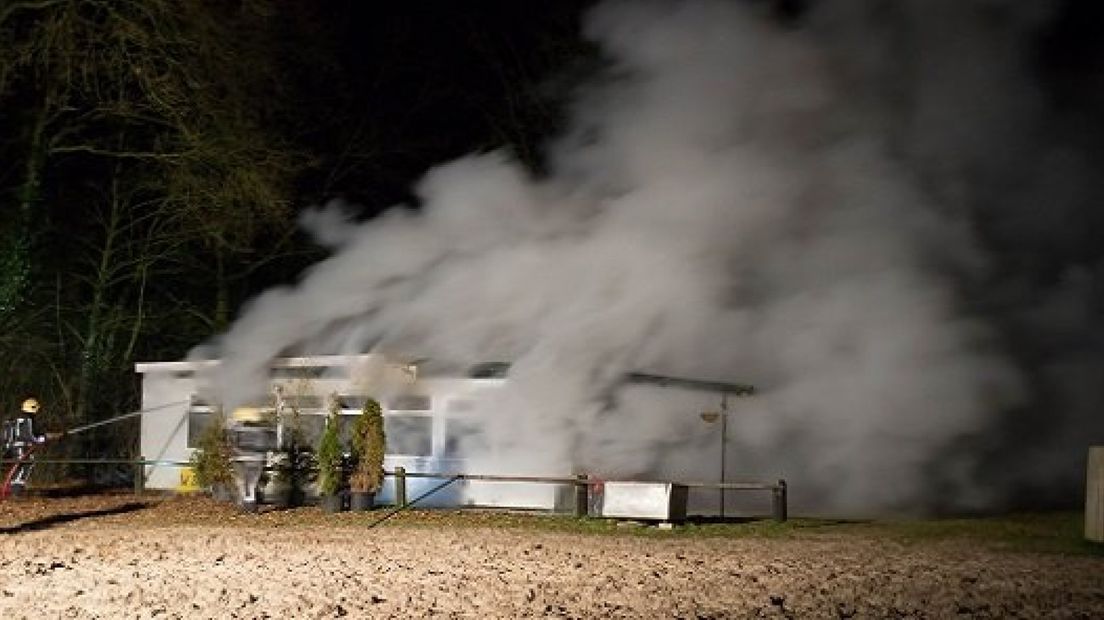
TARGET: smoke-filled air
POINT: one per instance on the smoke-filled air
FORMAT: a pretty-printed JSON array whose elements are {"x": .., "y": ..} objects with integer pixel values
[{"x": 870, "y": 214}]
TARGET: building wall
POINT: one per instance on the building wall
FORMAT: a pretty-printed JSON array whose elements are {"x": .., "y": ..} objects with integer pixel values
[
  {"x": 419, "y": 439},
  {"x": 424, "y": 435},
  {"x": 164, "y": 427}
]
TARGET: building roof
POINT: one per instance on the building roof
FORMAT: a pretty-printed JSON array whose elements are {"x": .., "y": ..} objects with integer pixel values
[{"x": 483, "y": 370}]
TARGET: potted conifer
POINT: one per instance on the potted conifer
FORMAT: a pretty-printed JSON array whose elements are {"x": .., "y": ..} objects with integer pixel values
[
  {"x": 368, "y": 444},
  {"x": 288, "y": 464},
  {"x": 330, "y": 460},
  {"x": 211, "y": 461}
]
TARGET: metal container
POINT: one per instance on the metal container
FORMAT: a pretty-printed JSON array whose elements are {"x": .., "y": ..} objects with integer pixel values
[{"x": 658, "y": 501}]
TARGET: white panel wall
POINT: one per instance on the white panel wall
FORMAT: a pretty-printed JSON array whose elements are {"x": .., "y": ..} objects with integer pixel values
[
  {"x": 168, "y": 386},
  {"x": 165, "y": 430}
]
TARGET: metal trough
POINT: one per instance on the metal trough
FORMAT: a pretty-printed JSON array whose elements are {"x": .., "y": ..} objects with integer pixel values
[{"x": 653, "y": 501}]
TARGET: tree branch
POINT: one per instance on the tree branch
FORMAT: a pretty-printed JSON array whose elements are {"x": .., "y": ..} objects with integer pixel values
[
  {"x": 91, "y": 150},
  {"x": 16, "y": 6}
]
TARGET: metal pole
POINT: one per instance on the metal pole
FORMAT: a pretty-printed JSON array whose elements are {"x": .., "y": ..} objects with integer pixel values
[{"x": 724, "y": 437}]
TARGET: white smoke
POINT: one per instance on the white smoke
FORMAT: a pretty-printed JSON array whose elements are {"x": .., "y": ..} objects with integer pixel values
[{"x": 731, "y": 204}]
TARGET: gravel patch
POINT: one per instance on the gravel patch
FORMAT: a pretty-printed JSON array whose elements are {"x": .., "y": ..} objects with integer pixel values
[{"x": 96, "y": 563}]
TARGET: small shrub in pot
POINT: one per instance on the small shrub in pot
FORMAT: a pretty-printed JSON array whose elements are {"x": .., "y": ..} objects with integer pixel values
[
  {"x": 368, "y": 446},
  {"x": 330, "y": 460},
  {"x": 211, "y": 461}
]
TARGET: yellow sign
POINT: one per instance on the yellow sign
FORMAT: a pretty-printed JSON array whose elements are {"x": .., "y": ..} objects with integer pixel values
[{"x": 188, "y": 481}]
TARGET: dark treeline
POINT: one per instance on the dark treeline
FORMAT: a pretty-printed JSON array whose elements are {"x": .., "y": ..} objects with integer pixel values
[{"x": 154, "y": 155}]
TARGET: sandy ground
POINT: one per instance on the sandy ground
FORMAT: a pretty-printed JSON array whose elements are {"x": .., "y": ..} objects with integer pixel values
[{"x": 67, "y": 559}]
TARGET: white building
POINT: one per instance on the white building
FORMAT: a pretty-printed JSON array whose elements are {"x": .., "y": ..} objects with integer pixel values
[{"x": 426, "y": 420}]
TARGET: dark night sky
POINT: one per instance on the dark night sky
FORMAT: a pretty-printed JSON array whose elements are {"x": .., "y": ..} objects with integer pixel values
[
  {"x": 436, "y": 80},
  {"x": 433, "y": 80}
]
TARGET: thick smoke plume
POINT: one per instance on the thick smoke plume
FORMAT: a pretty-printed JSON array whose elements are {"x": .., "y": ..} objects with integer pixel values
[{"x": 817, "y": 209}]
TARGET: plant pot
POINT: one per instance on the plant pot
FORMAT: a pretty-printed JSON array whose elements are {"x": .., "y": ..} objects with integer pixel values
[
  {"x": 279, "y": 499},
  {"x": 277, "y": 493},
  {"x": 296, "y": 497},
  {"x": 331, "y": 503},
  {"x": 222, "y": 493},
  {"x": 361, "y": 500}
]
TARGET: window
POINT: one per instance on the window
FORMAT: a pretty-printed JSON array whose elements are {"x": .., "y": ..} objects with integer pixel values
[
  {"x": 300, "y": 372},
  {"x": 345, "y": 425},
  {"x": 460, "y": 405},
  {"x": 198, "y": 421},
  {"x": 253, "y": 438},
  {"x": 464, "y": 438},
  {"x": 410, "y": 402},
  {"x": 353, "y": 402},
  {"x": 489, "y": 370},
  {"x": 304, "y": 402},
  {"x": 409, "y": 435},
  {"x": 312, "y": 426}
]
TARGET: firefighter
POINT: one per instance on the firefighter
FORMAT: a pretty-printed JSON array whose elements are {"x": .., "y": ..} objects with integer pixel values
[{"x": 19, "y": 444}]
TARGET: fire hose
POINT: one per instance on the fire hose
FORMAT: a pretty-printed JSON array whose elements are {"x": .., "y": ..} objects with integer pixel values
[
  {"x": 25, "y": 457},
  {"x": 86, "y": 427},
  {"x": 14, "y": 468}
]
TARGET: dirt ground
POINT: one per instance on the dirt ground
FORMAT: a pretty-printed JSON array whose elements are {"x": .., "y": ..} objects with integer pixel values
[{"x": 190, "y": 558}]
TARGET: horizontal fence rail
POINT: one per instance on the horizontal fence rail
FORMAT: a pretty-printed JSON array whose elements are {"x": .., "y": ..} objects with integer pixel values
[
  {"x": 582, "y": 482},
  {"x": 95, "y": 462},
  {"x": 490, "y": 478}
]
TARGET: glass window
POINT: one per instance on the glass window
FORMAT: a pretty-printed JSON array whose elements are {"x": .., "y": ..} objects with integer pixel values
[
  {"x": 353, "y": 402},
  {"x": 464, "y": 438},
  {"x": 489, "y": 370},
  {"x": 198, "y": 421},
  {"x": 410, "y": 402},
  {"x": 254, "y": 438},
  {"x": 305, "y": 402},
  {"x": 409, "y": 435},
  {"x": 460, "y": 405},
  {"x": 312, "y": 426},
  {"x": 300, "y": 372},
  {"x": 345, "y": 425}
]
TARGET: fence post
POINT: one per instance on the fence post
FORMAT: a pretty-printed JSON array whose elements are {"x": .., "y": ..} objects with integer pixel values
[
  {"x": 400, "y": 486},
  {"x": 581, "y": 496},
  {"x": 780, "y": 499},
  {"x": 1094, "y": 495},
  {"x": 140, "y": 475}
]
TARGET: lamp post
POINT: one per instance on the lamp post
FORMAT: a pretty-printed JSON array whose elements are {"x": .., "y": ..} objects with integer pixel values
[{"x": 711, "y": 417}]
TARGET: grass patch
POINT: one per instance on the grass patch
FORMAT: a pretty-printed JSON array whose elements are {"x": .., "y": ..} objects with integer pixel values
[
  {"x": 1054, "y": 532},
  {"x": 1060, "y": 533},
  {"x": 744, "y": 528}
]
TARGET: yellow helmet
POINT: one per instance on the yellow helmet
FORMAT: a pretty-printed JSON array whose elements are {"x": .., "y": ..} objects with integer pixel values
[{"x": 30, "y": 406}]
